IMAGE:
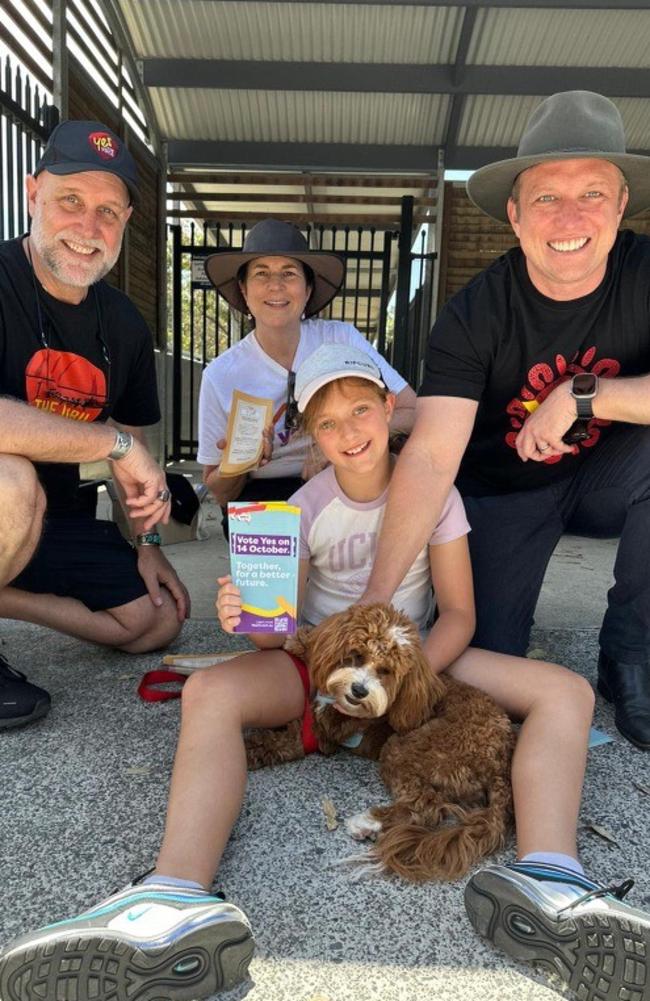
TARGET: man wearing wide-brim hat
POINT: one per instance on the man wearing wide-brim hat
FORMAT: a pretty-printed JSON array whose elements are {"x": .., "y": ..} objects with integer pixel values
[{"x": 536, "y": 401}]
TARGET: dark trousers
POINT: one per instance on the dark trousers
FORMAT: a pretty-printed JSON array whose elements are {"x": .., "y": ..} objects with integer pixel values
[{"x": 513, "y": 537}]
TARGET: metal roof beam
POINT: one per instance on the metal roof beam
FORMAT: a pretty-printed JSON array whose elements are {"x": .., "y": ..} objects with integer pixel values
[
  {"x": 457, "y": 103},
  {"x": 384, "y": 78},
  {"x": 615, "y": 5},
  {"x": 473, "y": 157},
  {"x": 333, "y": 180},
  {"x": 331, "y": 156},
  {"x": 301, "y": 156}
]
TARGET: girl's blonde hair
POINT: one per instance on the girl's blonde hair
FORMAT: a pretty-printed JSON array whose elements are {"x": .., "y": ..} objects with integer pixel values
[{"x": 309, "y": 417}]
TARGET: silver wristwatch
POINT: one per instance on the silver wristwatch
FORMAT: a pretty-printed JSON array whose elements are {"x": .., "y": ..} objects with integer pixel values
[{"x": 122, "y": 446}]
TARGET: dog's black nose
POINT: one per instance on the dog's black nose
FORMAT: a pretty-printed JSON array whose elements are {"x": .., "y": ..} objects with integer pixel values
[{"x": 359, "y": 690}]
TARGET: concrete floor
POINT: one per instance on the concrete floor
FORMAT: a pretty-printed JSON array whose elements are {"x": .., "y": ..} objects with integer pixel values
[{"x": 84, "y": 796}]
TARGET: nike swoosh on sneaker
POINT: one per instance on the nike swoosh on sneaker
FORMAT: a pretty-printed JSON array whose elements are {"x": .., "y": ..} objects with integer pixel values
[{"x": 133, "y": 915}]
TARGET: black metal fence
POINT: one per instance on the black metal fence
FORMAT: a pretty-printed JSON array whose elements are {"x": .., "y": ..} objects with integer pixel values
[
  {"x": 203, "y": 325},
  {"x": 420, "y": 309},
  {"x": 413, "y": 297},
  {"x": 26, "y": 120}
]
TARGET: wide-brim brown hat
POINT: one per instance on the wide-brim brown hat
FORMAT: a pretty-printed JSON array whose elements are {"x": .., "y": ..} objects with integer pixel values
[
  {"x": 576, "y": 124},
  {"x": 273, "y": 238}
]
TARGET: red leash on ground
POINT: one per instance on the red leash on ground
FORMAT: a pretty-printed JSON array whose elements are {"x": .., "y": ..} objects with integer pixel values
[{"x": 149, "y": 689}]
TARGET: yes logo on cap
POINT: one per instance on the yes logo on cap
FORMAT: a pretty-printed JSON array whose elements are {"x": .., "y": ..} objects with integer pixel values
[{"x": 104, "y": 144}]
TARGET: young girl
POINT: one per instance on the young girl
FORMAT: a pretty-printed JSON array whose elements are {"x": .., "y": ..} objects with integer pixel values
[{"x": 346, "y": 409}]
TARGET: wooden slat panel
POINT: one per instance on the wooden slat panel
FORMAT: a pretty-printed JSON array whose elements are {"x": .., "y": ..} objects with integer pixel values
[
  {"x": 277, "y": 196},
  {"x": 471, "y": 241},
  {"x": 40, "y": 72},
  {"x": 137, "y": 270},
  {"x": 383, "y": 221},
  {"x": 316, "y": 180}
]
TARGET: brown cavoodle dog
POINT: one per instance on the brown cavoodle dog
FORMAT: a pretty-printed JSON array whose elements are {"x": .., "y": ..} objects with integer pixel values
[{"x": 444, "y": 748}]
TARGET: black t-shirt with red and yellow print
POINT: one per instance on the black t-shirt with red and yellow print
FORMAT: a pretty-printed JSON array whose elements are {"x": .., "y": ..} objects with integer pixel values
[
  {"x": 501, "y": 342},
  {"x": 64, "y": 368}
]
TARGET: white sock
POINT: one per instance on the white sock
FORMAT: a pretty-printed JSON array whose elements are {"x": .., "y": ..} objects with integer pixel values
[
  {"x": 172, "y": 881},
  {"x": 556, "y": 865},
  {"x": 556, "y": 858}
]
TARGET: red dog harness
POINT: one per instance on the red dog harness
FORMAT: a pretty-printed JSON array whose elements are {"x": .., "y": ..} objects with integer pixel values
[{"x": 309, "y": 742}]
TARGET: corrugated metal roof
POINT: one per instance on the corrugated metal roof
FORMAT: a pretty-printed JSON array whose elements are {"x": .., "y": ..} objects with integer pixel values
[
  {"x": 500, "y": 120},
  {"x": 553, "y": 37},
  {"x": 637, "y": 121},
  {"x": 303, "y": 32},
  {"x": 495, "y": 121},
  {"x": 300, "y": 116},
  {"x": 333, "y": 90}
]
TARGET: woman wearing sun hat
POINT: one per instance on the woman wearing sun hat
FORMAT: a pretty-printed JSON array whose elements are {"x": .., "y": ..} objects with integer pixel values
[{"x": 283, "y": 284}]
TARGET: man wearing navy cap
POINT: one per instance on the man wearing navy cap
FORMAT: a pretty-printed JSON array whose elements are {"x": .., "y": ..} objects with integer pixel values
[{"x": 73, "y": 347}]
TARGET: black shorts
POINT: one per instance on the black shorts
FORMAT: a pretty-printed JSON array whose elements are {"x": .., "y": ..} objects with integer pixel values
[{"x": 80, "y": 557}]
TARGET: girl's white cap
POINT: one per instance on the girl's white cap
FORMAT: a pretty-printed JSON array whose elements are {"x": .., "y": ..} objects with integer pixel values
[{"x": 330, "y": 362}]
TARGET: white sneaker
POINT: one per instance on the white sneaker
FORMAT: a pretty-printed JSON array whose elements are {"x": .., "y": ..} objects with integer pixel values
[
  {"x": 150, "y": 941},
  {"x": 599, "y": 945}
]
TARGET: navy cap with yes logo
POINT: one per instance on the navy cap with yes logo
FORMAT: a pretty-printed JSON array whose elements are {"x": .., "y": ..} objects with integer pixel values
[{"x": 76, "y": 146}]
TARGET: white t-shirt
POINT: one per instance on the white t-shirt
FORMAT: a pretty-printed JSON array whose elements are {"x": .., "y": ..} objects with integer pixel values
[
  {"x": 245, "y": 366},
  {"x": 339, "y": 538}
]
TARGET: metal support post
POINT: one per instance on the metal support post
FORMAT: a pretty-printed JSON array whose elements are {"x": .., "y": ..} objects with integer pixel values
[{"x": 402, "y": 296}]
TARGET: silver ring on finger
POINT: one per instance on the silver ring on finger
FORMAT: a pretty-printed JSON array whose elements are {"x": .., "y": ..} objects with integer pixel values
[
  {"x": 543, "y": 448},
  {"x": 163, "y": 495}
]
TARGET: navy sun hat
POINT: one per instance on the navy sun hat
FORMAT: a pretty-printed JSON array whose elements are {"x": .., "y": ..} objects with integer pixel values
[
  {"x": 572, "y": 125},
  {"x": 76, "y": 146}
]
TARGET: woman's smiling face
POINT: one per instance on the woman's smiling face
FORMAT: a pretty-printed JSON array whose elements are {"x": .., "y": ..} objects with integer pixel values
[{"x": 276, "y": 290}]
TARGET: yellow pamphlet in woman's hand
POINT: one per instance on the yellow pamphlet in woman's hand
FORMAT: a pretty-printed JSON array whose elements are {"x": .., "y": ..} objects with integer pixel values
[{"x": 248, "y": 417}]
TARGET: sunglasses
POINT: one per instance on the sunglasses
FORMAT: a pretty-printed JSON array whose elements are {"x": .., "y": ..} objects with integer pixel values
[{"x": 291, "y": 415}]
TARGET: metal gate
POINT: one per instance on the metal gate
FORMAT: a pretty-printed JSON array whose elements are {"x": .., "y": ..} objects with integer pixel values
[
  {"x": 382, "y": 267},
  {"x": 204, "y": 326}
]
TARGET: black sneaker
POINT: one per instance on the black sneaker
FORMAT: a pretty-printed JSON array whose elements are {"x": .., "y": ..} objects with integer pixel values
[{"x": 20, "y": 701}]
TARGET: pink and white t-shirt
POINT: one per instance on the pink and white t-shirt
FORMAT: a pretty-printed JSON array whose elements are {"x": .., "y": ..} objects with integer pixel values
[{"x": 339, "y": 538}]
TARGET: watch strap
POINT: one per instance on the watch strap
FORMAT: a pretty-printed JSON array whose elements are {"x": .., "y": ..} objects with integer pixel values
[
  {"x": 148, "y": 539},
  {"x": 583, "y": 407}
]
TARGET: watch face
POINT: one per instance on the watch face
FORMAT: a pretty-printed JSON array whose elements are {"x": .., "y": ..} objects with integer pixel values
[{"x": 584, "y": 384}]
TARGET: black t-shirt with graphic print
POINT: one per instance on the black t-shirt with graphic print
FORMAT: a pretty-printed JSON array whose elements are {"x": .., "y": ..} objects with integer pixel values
[
  {"x": 64, "y": 368},
  {"x": 501, "y": 342}
]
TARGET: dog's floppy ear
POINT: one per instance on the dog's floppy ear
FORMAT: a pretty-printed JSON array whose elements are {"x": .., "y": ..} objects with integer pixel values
[
  {"x": 418, "y": 693},
  {"x": 326, "y": 645},
  {"x": 319, "y": 647}
]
